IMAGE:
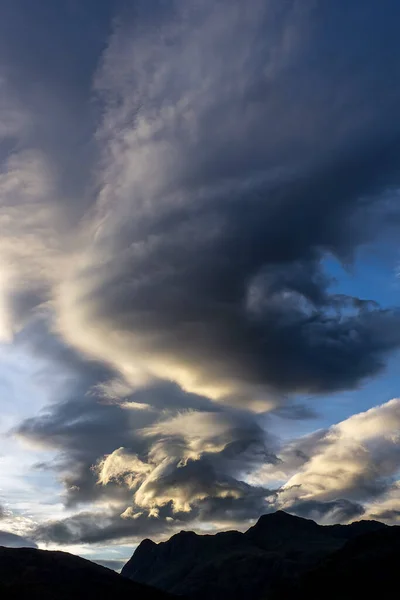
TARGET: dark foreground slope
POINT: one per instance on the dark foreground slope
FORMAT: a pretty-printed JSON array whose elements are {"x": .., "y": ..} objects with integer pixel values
[
  {"x": 366, "y": 567},
  {"x": 29, "y": 574},
  {"x": 277, "y": 551}
]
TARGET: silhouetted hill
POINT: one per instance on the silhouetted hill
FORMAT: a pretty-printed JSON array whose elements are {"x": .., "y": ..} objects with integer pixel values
[
  {"x": 366, "y": 567},
  {"x": 278, "y": 549},
  {"x": 27, "y": 573},
  {"x": 280, "y": 558}
]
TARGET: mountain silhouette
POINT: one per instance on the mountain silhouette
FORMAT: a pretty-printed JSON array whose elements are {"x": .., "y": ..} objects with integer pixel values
[
  {"x": 366, "y": 567},
  {"x": 276, "y": 552},
  {"x": 30, "y": 574},
  {"x": 281, "y": 557}
]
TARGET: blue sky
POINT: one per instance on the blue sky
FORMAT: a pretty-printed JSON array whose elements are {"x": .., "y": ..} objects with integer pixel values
[{"x": 199, "y": 290}]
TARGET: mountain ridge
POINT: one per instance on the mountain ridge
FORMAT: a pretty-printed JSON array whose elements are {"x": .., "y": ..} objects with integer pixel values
[
  {"x": 32, "y": 574},
  {"x": 280, "y": 557},
  {"x": 277, "y": 548}
]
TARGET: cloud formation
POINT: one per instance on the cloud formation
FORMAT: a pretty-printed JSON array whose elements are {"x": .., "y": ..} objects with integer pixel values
[
  {"x": 12, "y": 540},
  {"x": 356, "y": 459},
  {"x": 169, "y": 199},
  {"x": 140, "y": 469},
  {"x": 191, "y": 458},
  {"x": 348, "y": 470},
  {"x": 230, "y": 195},
  {"x": 193, "y": 248},
  {"x": 228, "y": 474},
  {"x": 329, "y": 513}
]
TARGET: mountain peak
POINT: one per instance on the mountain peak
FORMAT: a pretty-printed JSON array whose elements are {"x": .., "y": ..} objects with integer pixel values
[
  {"x": 282, "y": 520},
  {"x": 280, "y": 516},
  {"x": 238, "y": 565},
  {"x": 147, "y": 543},
  {"x": 146, "y": 546}
]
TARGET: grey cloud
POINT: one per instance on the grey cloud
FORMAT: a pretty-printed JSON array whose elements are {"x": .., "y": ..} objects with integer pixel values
[
  {"x": 239, "y": 192},
  {"x": 252, "y": 502},
  {"x": 186, "y": 458},
  {"x": 193, "y": 459},
  {"x": 237, "y": 149},
  {"x": 112, "y": 563},
  {"x": 295, "y": 411},
  {"x": 94, "y": 528},
  {"x": 76, "y": 423},
  {"x": 12, "y": 540},
  {"x": 198, "y": 484},
  {"x": 387, "y": 507},
  {"x": 82, "y": 430},
  {"x": 328, "y": 513},
  {"x": 98, "y": 527},
  {"x": 47, "y": 147},
  {"x": 50, "y": 53},
  {"x": 169, "y": 469},
  {"x": 387, "y": 515}
]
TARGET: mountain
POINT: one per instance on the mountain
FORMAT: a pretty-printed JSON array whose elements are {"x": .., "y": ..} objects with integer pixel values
[
  {"x": 280, "y": 558},
  {"x": 27, "y": 573},
  {"x": 366, "y": 567},
  {"x": 276, "y": 551}
]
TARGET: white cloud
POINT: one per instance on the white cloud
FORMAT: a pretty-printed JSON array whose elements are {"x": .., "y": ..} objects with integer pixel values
[
  {"x": 191, "y": 457},
  {"x": 356, "y": 459},
  {"x": 387, "y": 507}
]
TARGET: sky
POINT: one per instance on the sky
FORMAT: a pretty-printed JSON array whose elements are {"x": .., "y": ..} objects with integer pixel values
[{"x": 199, "y": 276}]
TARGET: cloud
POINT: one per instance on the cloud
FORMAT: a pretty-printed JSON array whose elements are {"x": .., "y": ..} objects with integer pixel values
[
  {"x": 215, "y": 468},
  {"x": 132, "y": 461},
  {"x": 78, "y": 423},
  {"x": 190, "y": 244},
  {"x": 112, "y": 563},
  {"x": 191, "y": 458},
  {"x": 178, "y": 468},
  {"x": 329, "y": 513},
  {"x": 46, "y": 145},
  {"x": 342, "y": 471},
  {"x": 12, "y": 540},
  {"x": 220, "y": 197},
  {"x": 387, "y": 508},
  {"x": 355, "y": 458},
  {"x": 99, "y": 526},
  {"x": 169, "y": 199}
]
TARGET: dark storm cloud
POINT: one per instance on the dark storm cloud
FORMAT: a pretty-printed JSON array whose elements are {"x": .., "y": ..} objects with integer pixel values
[
  {"x": 93, "y": 528},
  {"x": 77, "y": 422},
  {"x": 223, "y": 184},
  {"x": 47, "y": 150},
  {"x": 99, "y": 527},
  {"x": 185, "y": 458},
  {"x": 49, "y": 53},
  {"x": 232, "y": 190},
  {"x": 295, "y": 411},
  {"x": 232, "y": 147},
  {"x": 206, "y": 487},
  {"x": 387, "y": 515},
  {"x": 162, "y": 471}
]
